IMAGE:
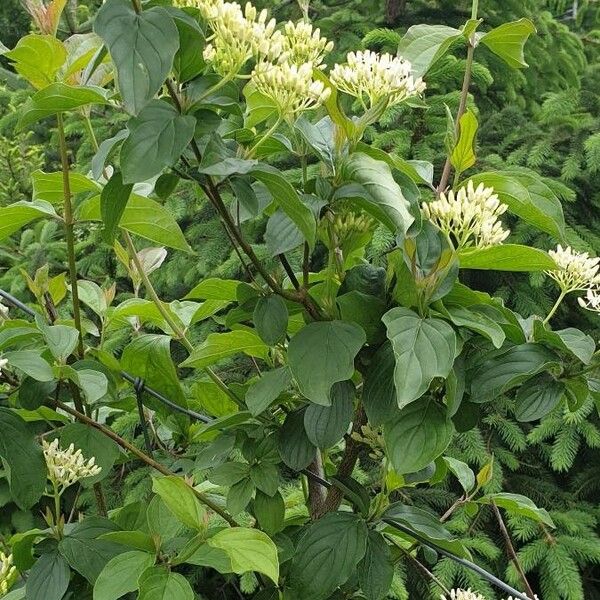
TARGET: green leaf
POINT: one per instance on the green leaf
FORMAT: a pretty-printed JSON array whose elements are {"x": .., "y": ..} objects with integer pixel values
[
  {"x": 142, "y": 47},
  {"x": 214, "y": 288},
  {"x": 326, "y": 425},
  {"x": 269, "y": 511},
  {"x": 462, "y": 472},
  {"x": 157, "y": 138},
  {"x": 248, "y": 550},
  {"x": 506, "y": 257},
  {"x": 106, "y": 147},
  {"x": 239, "y": 496},
  {"x": 518, "y": 505},
  {"x": 86, "y": 555},
  {"x": 121, "y": 574},
  {"x": 31, "y": 363},
  {"x": 181, "y": 500},
  {"x": 38, "y": 58},
  {"x": 424, "y": 45},
  {"x": 417, "y": 436},
  {"x": 271, "y": 319},
  {"x": 463, "y": 155},
  {"x": 49, "y": 186},
  {"x": 364, "y": 310},
  {"x": 527, "y": 197},
  {"x": 23, "y": 455},
  {"x": 267, "y": 389},
  {"x": 144, "y": 217},
  {"x": 258, "y": 106},
  {"x": 58, "y": 98},
  {"x": 149, "y": 358},
  {"x": 230, "y": 473},
  {"x": 327, "y": 555},
  {"x": 377, "y": 192},
  {"x": 92, "y": 443},
  {"x": 427, "y": 525},
  {"x": 295, "y": 449},
  {"x": 61, "y": 340},
  {"x": 537, "y": 397},
  {"x": 132, "y": 539},
  {"x": 508, "y": 41},
  {"x": 162, "y": 523},
  {"x": 569, "y": 340},
  {"x": 113, "y": 201},
  {"x": 265, "y": 476},
  {"x": 15, "y": 216},
  {"x": 478, "y": 322},
  {"x": 376, "y": 570},
  {"x": 218, "y": 346},
  {"x": 424, "y": 348},
  {"x": 93, "y": 383},
  {"x": 288, "y": 199},
  {"x": 158, "y": 583},
  {"x": 338, "y": 343},
  {"x": 33, "y": 394},
  {"x": 48, "y": 578},
  {"x": 505, "y": 369},
  {"x": 379, "y": 393},
  {"x": 189, "y": 60}
]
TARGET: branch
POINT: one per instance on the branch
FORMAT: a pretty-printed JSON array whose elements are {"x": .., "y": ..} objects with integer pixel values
[
  {"x": 348, "y": 462},
  {"x": 143, "y": 457},
  {"x": 510, "y": 549}
]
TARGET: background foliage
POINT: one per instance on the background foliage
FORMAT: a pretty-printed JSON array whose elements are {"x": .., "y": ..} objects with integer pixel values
[{"x": 545, "y": 118}]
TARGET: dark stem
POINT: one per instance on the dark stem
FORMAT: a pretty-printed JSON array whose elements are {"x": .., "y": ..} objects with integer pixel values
[
  {"x": 348, "y": 462},
  {"x": 317, "y": 493},
  {"x": 143, "y": 457},
  {"x": 289, "y": 271},
  {"x": 510, "y": 549}
]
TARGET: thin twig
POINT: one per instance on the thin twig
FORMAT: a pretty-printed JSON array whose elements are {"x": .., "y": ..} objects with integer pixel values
[
  {"x": 510, "y": 549},
  {"x": 143, "y": 457}
]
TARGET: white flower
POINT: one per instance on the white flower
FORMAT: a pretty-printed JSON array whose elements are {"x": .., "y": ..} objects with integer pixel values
[
  {"x": 8, "y": 573},
  {"x": 3, "y": 363},
  {"x": 470, "y": 217},
  {"x": 459, "y": 594},
  {"x": 301, "y": 44},
  {"x": 65, "y": 467},
  {"x": 3, "y": 311},
  {"x": 374, "y": 78},
  {"x": 576, "y": 270},
  {"x": 291, "y": 87},
  {"x": 238, "y": 35},
  {"x": 591, "y": 300}
]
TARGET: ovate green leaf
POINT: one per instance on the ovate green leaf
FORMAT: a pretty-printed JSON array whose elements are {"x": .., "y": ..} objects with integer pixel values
[
  {"x": 142, "y": 47},
  {"x": 157, "y": 137},
  {"x": 323, "y": 353},
  {"x": 417, "y": 436},
  {"x": 424, "y": 348}
]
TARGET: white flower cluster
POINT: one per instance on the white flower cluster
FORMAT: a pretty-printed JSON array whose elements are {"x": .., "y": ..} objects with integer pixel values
[
  {"x": 459, "y": 594},
  {"x": 291, "y": 87},
  {"x": 237, "y": 35},
  {"x": 301, "y": 44},
  {"x": 3, "y": 312},
  {"x": 470, "y": 217},
  {"x": 3, "y": 363},
  {"x": 577, "y": 271},
  {"x": 65, "y": 467},
  {"x": 374, "y": 78},
  {"x": 8, "y": 573}
]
